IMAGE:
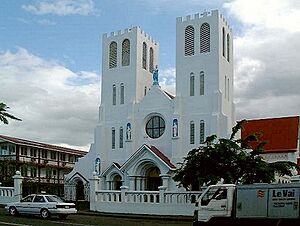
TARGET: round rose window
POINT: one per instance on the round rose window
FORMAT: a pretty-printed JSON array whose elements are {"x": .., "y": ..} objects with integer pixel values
[{"x": 155, "y": 127}]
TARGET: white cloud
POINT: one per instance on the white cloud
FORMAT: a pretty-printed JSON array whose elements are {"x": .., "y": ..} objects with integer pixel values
[
  {"x": 62, "y": 7},
  {"x": 53, "y": 107},
  {"x": 167, "y": 80},
  {"x": 267, "y": 13},
  {"x": 267, "y": 74}
]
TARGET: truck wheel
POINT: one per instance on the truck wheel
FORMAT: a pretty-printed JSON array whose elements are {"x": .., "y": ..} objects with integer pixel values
[
  {"x": 45, "y": 214},
  {"x": 13, "y": 211},
  {"x": 62, "y": 216}
]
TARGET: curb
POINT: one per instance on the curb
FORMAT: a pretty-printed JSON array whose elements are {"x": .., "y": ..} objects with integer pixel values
[{"x": 137, "y": 216}]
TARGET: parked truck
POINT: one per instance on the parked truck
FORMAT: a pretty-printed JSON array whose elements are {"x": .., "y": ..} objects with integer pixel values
[{"x": 260, "y": 204}]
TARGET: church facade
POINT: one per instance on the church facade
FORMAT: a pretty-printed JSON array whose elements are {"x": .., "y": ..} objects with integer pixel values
[{"x": 143, "y": 132}]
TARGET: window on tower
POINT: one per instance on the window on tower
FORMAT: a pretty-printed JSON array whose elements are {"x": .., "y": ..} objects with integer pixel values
[
  {"x": 189, "y": 41},
  {"x": 192, "y": 84},
  {"x": 126, "y": 52},
  {"x": 113, "y": 138},
  {"x": 122, "y": 93},
  {"x": 205, "y": 38},
  {"x": 192, "y": 132},
  {"x": 114, "y": 93},
  {"x": 201, "y": 83},
  {"x": 113, "y": 55},
  {"x": 151, "y": 60},
  {"x": 228, "y": 51},
  {"x": 121, "y": 137},
  {"x": 202, "y": 131},
  {"x": 144, "y": 60}
]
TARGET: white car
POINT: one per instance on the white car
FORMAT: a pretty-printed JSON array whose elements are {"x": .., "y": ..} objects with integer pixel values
[{"x": 43, "y": 205}]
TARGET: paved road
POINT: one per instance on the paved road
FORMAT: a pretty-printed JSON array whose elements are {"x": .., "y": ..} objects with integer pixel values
[{"x": 87, "y": 220}]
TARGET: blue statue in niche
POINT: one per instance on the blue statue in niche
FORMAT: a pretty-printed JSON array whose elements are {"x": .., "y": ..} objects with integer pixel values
[{"x": 155, "y": 76}]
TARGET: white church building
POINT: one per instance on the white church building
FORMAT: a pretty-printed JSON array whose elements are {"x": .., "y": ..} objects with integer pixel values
[{"x": 143, "y": 132}]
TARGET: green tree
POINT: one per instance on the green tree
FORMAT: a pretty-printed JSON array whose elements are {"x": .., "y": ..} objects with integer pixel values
[
  {"x": 231, "y": 159},
  {"x": 4, "y": 115}
]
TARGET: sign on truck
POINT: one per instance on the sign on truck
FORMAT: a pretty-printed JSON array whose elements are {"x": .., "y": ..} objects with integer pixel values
[{"x": 267, "y": 203}]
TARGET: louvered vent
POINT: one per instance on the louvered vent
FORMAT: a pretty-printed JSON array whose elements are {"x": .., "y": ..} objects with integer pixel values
[
  {"x": 113, "y": 55},
  {"x": 151, "y": 63},
  {"x": 189, "y": 41},
  {"x": 205, "y": 38},
  {"x": 125, "y": 52}
]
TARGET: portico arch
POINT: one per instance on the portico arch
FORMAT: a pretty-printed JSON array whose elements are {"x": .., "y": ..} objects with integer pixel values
[{"x": 148, "y": 176}]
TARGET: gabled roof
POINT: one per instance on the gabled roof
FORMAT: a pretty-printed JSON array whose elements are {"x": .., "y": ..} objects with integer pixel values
[
  {"x": 160, "y": 155},
  {"x": 169, "y": 95},
  {"x": 280, "y": 133},
  {"x": 155, "y": 152},
  {"x": 113, "y": 165},
  {"x": 35, "y": 144}
]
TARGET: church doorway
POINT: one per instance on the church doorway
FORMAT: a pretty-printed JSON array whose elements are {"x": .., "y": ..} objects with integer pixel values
[
  {"x": 152, "y": 179},
  {"x": 117, "y": 182},
  {"x": 79, "y": 190}
]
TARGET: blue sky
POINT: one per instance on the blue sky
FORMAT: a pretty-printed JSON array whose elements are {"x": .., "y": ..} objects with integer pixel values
[
  {"x": 74, "y": 39},
  {"x": 50, "y": 58}
]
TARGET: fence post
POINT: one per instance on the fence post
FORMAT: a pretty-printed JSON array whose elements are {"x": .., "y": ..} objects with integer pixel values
[
  {"x": 124, "y": 189},
  {"x": 94, "y": 186},
  {"x": 162, "y": 190},
  {"x": 18, "y": 186}
]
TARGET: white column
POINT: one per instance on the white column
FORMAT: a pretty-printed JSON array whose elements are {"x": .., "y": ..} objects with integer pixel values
[
  {"x": 165, "y": 180},
  {"x": 18, "y": 186},
  {"x": 162, "y": 190},
  {"x": 94, "y": 186},
  {"x": 124, "y": 189},
  {"x": 131, "y": 183}
]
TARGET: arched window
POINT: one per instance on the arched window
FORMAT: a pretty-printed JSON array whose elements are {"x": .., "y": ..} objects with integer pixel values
[
  {"x": 192, "y": 84},
  {"x": 202, "y": 131},
  {"x": 151, "y": 60},
  {"x": 189, "y": 41},
  {"x": 223, "y": 41},
  {"x": 205, "y": 38},
  {"x": 144, "y": 60},
  {"x": 145, "y": 91},
  {"x": 113, "y": 54},
  {"x": 122, "y": 93},
  {"x": 228, "y": 51},
  {"x": 121, "y": 137},
  {"x": 192, "y": 132},
  {"x": 201, "y": 83},
  {"x": 113, "y": 138},
  {"x": 126, "y": 52},
  {"x": 114, "y": 93}
]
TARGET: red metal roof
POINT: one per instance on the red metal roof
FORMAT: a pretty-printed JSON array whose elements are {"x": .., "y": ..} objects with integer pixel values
[
  {"x": 42, "y": 145},
  {"x": 280, "y": 133},
  {"x": 159, "y": 154},
  {"x": 169, "y": 95}
]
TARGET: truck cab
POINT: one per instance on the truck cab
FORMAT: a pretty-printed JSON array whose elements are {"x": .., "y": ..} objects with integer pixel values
[{"x": 215, "y": 201}]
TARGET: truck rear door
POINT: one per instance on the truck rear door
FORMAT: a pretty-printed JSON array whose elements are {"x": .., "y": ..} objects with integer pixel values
[{"x": 284, "y": 202}]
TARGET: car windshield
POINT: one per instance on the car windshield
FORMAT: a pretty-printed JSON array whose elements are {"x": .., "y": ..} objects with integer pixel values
[{"x": 53, "y": 198}]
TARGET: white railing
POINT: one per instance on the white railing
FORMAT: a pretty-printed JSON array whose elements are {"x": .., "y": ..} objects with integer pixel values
[
  {"x": 160, "y": 202},
  {"x": 12, "y": 194},
  {"x": 6, "y": 195}
]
